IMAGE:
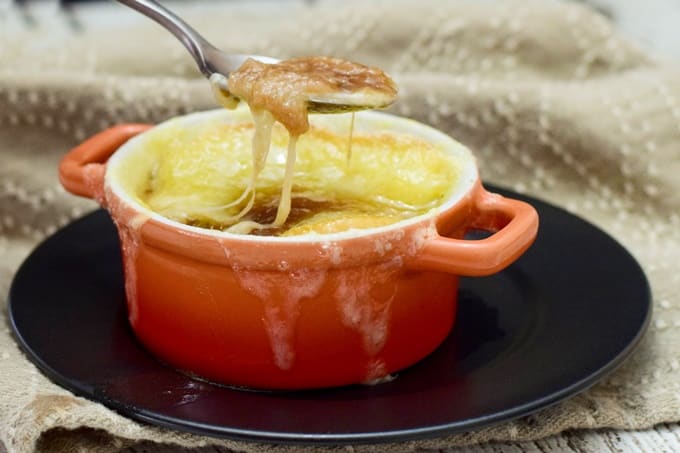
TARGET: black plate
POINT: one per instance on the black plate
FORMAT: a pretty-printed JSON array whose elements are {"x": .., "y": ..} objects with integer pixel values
[{"x": 566, "y": 314}]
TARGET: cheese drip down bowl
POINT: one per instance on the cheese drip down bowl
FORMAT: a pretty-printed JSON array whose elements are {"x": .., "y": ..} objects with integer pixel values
[{"x": 301, "y": 311}]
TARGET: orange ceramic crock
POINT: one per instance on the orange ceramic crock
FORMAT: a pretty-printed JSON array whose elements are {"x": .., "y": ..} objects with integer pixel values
[{"x": 297, "y": 312}]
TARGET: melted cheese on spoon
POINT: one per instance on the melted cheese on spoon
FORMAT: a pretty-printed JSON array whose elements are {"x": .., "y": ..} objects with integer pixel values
[{"x": 286, "y": 92}]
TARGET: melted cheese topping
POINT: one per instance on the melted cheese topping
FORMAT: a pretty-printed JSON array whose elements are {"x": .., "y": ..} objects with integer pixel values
[
  {"x": 198, "y": 177},
  {"x": 286, "y": 92},
  {"x": 286, "y": 89}
]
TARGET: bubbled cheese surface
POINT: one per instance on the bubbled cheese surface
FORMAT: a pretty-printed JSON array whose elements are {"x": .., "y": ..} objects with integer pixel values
[{"x": 196, "y": 171}]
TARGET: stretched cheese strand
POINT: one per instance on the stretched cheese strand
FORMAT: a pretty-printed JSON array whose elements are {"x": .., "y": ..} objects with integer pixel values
[
  {"x": 264, "y": 122},
  {"x": 284, "y": 204},
  {"x": 349, "y": 139}
]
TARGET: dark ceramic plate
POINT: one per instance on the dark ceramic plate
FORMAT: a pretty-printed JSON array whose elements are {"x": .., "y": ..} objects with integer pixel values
[{"x": 566, "y": 314}]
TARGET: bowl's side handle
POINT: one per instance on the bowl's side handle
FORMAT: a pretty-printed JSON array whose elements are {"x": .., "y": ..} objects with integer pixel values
[
  {"x": 81, "y": 170},
  {"x": 514, "y": 223}
]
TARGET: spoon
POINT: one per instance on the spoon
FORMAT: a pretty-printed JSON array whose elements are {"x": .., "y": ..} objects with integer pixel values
[{"x": 216, "y": 64}]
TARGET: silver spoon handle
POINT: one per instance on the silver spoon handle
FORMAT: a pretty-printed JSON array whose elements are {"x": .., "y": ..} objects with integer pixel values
[{"x": 195, "y": 43}]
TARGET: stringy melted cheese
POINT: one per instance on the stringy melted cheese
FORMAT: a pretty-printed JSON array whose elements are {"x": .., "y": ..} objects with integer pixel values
[
  {"x": 286, "y": 92},
  {"x": 199, "y": 175}
]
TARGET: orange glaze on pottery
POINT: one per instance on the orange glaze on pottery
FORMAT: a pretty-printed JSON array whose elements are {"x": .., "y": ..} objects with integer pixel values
[{"x": 297, "y": 312}]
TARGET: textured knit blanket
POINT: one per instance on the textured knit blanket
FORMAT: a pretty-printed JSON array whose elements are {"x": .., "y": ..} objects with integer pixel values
[{"x": 551, "y": 99}]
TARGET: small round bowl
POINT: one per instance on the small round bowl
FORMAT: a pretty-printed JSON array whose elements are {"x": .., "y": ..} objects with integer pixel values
[{"x": 297, "y": 312}]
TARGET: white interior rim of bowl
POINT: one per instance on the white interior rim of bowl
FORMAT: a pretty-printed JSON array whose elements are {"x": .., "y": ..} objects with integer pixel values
[{"x": 468, "y": 177}]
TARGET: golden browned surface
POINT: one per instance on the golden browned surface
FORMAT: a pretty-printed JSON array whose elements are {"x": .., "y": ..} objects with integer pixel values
[
  {"x": 285, "y": 88},
  {"x": 203, "y": 176}
]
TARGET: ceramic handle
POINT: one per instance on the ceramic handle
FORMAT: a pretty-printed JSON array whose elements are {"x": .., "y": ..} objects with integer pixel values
[
  {"x": 82, "y": 169},
  {"x": 515, "y": 224}
]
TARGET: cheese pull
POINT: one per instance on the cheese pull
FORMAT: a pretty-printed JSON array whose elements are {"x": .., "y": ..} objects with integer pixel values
[
  {"x": 208, "y": 176},
  {"x": 286, "y": 92}
]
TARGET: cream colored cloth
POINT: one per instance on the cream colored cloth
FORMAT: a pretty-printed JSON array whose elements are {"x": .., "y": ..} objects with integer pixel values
[{"x": 551, "y": 99}]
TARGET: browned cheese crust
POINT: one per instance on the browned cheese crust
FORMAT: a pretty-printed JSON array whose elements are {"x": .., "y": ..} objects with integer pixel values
[{"x": 284, "y": 89}]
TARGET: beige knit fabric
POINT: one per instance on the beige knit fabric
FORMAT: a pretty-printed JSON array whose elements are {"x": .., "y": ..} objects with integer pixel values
[{"x": 551, "y": 99}]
